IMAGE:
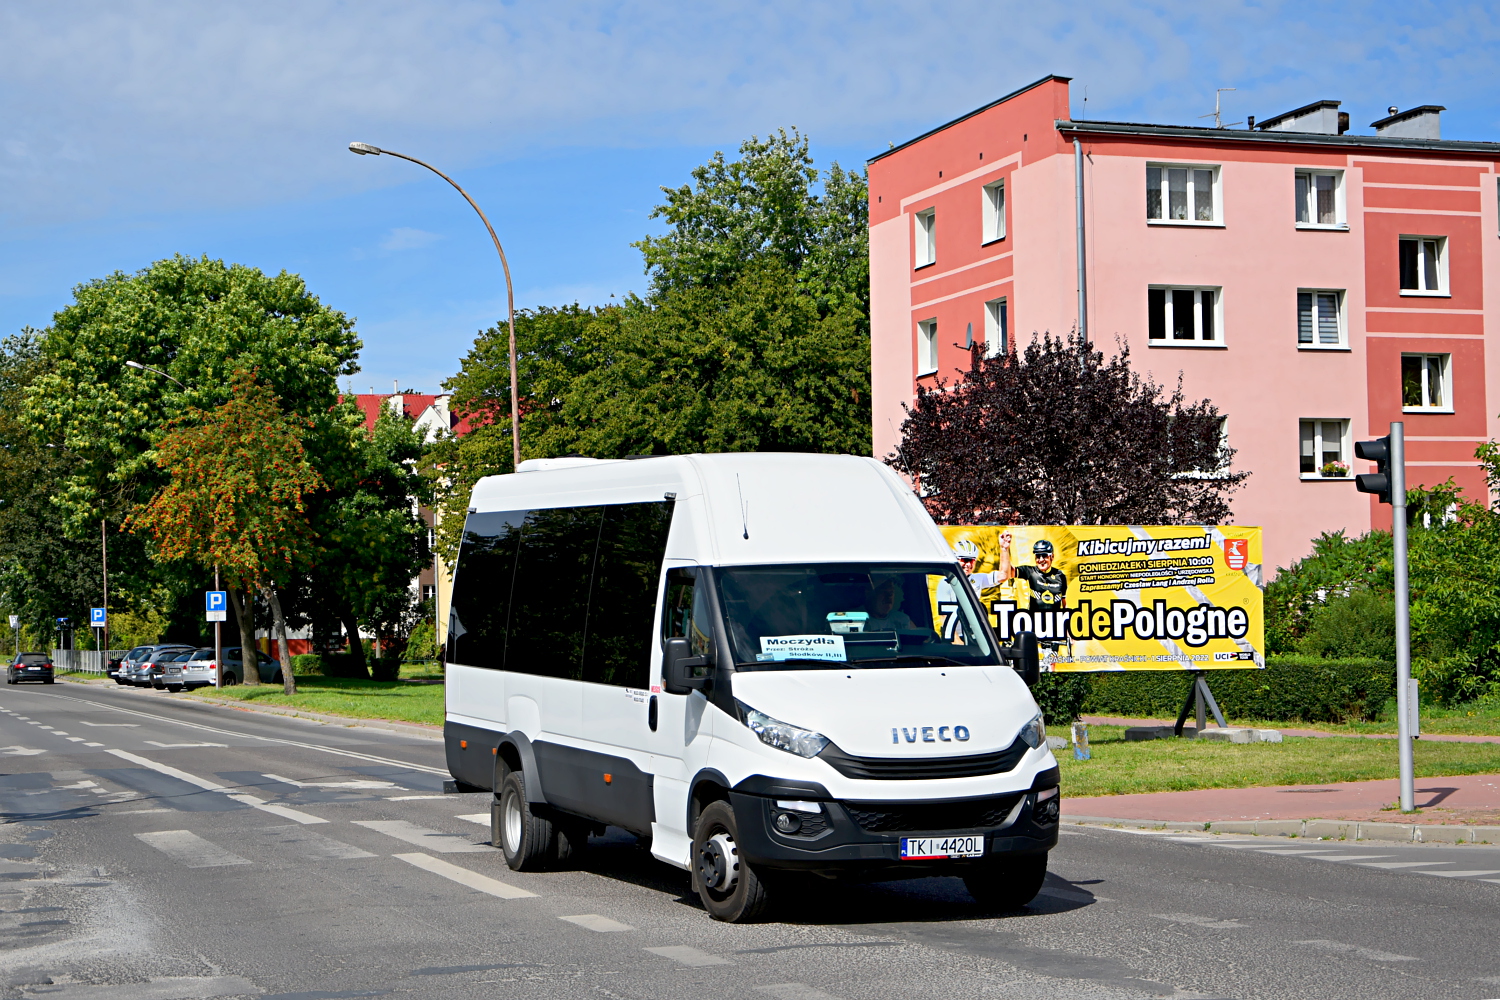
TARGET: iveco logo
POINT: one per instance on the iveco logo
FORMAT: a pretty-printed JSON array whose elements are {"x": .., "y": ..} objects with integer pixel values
[{"x": 929, "y": 734}]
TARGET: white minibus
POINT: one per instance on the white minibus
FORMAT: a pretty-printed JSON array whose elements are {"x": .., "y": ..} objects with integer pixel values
[{"x": 757, "y": 662}]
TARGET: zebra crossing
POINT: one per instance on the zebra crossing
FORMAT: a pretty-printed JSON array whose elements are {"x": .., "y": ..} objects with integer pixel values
[{"x": 1395, "y": 858}]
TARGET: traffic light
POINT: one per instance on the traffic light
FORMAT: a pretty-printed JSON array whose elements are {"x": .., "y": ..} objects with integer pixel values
[{"x": 1379, "y": 483}]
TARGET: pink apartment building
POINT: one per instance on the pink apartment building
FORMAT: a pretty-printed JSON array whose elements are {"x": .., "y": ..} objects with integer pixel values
[{"x": 1314, "y": 283}]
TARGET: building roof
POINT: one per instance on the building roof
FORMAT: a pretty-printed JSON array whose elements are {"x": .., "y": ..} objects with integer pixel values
[
  {"x": 1299, "y": 138},
  {"x": 1001, "y": 100}
]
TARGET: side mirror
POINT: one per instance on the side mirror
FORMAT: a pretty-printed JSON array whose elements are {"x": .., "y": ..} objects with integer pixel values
[
  {"x": 1024, "y": 657},
  {"x": 681, "y": 668}
]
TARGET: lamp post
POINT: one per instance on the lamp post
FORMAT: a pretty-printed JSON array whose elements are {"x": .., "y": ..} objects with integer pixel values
[
  {"x": 365, "y": 149},
  {"x": 147, "y": 368}
]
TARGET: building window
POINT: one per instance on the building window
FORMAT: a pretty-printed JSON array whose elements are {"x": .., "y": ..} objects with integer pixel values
[
  {"x": 927, "y": 347},
  {"x": 428, "y": 591},
  {"x": 1325, "y": 449},
  {"x": 926, "y": 238},
  {"x": 1424, "y": 265},
  {"x": 1320, "y": 319},
  {"x": 994, "y": 211},
  {"x": 1320, "y": 198},
  {"x": 996, "y": 327},
  {"x": 1182, "y": 316},
  {"x": 1424, "y": 382},
  {"x": 1182, "y": 193}
]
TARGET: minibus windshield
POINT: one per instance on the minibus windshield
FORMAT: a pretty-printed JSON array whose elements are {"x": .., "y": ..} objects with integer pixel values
[{"x": 836, "y": 615}]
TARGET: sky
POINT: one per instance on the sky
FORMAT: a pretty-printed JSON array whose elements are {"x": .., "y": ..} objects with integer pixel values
[{"x": 132, "y": 131}]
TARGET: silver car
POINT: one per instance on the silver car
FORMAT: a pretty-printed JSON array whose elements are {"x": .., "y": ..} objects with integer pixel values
[
  {"x": 144, "y": 669},
  {"x": 197, "y": 670}
]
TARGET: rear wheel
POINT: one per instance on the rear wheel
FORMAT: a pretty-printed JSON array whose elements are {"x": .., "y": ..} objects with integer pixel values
[
  {"x": 230, "y": 680},
  {"x": 47, "y": 680},
  {"x": 731, "y": 890},
  {"x": 528, "y": 840},
  {"x": 174, "y": 688},
  {"x": 1008, "y": 884}
]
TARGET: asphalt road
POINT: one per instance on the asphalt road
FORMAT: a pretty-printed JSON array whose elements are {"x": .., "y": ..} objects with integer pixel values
[{"x": 153, "y": 849}]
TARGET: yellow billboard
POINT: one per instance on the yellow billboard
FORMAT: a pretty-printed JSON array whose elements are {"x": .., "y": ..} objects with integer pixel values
[{"x": 1111, "y": 597}]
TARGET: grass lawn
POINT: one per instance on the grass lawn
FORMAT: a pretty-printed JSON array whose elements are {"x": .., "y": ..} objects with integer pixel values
[
  {"x": 362, "y": 699},
  {"x": 1475, "y": 719},
  {"x": 1120, "y": 768}
]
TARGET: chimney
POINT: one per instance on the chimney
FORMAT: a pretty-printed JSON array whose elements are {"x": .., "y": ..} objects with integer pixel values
[
  {"x": 1414, "y": 123},
  {"x": 1319, "y": 117}
]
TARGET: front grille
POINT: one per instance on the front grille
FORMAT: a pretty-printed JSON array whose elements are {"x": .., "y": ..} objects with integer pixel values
[
  {"x": 969, "y": 814},
  {"x": 925, "y": 768}
]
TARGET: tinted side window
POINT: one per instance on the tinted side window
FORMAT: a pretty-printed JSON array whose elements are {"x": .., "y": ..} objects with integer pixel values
[
  {"x": 480, "y": 611},
  {"x": 550, "y": 602},
  {"x": 622, "y": 606}
]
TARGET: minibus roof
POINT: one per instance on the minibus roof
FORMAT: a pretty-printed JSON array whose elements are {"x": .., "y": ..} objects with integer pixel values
[{"x": 743, "y": 508}]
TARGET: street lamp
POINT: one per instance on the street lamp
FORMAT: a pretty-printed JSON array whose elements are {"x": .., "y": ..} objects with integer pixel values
[
  {"x": 365, "y": 149},
  {"x": 147, "y": 368}
]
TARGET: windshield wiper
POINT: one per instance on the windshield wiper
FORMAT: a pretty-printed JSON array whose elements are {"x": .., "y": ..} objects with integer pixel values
[{"x": 942, "y": 661}]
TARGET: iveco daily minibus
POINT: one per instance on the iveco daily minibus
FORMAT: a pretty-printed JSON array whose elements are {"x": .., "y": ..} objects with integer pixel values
[{"x": 759, "y": 662}]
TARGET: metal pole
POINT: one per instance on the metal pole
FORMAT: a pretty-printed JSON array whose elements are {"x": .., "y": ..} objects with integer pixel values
[
  {"x": 510, "y": 292},
  {"x": 1403, "y": 614},
  {"x": 104, "y": 562},
  {"x": 1083, "y": 295},
  {"x": 218, "y": 641}
]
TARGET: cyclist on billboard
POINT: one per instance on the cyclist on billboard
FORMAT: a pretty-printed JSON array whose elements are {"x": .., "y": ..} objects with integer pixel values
[
  {"x": 1049, "y": 586},
  {"x": 968, "y": 555}
]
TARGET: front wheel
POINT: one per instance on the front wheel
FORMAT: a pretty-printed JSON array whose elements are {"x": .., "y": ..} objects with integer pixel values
[
  {"x": 731, "y": 890},
  {"x": 1008, "y": 884},
  {"x": 529, "y": 841}
]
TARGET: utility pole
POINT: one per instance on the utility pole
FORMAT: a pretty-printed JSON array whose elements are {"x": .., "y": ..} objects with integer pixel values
[
  {"x": 219, "y": 641},
  {"x": 1388, "y": 483},
  {"x": 104, "y": 564}
]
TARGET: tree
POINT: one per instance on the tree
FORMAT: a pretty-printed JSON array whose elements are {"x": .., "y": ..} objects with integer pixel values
[
  {"x": 1056, "y": 434},
  {"x": 235, "y": 499}
]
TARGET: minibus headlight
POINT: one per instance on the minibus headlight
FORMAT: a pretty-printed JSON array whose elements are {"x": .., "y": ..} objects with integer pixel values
[
  {"x": 792, "y": 739},
  {"x": 1035, "y": 731}
]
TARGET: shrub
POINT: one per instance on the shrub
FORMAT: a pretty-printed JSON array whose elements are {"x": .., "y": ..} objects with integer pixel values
[
  {"x": 1455, "y": 679},
  {"x": 1061, "y": 696},
  {"x": 343, "y": 665},
  {"x": 1290, "y": 689},
  {"x": 1360, "y": 626},
  {"x": 421, "y": 645},
  {"x": 385, "y": 668},
  {"x": 307, "y": 665}
]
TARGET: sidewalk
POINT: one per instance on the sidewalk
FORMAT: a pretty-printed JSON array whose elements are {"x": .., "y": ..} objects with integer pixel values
[
  {"x": 1115, "y": 720},
  {"x": 1466, "y": 800}
]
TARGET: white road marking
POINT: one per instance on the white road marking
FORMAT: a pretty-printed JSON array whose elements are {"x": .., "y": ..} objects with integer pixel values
[
  {"x": 81, "y": 784},
  {"x": 1354, "y": 949},
  {"x": 483, "y": 819},
  {"x": 1494, "y": 880},
  {"x": 594, "y": 922},
  {"x": 1471, "y": 874},
  {"x": 463, "y": 876},
  {"x": 411, "y": 798},
  {"x": 310, "y": 845},
  {"x": 114, "y": 725},
  {"x": 689, "y": 956},
  {"x": 75, "y": 739},
  {"x": 138, "y": 812},
  {"x": 93, "y": 744},
  {"x": 1402, "y": 864},
  {"x": 184, "y": 746},
  {"x": 167, "y": 988},
  {"x": 432, "y": 840},
  {"x": 1197, "y": 921},
  {"x": 794, "y": 991},
  {"x": 193, "y": 779},
  {"x": 191, "y": 850},
  {"x": 327, "y": 784},
  {"x": 1352, "y": 857},
  {"x": 1278, "y": 851},
  {"x": 58, "y": 732},
  {"x": 20, "y": 751}
]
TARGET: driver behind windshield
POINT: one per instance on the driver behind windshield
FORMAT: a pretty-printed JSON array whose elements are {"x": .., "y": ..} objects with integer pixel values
[{"x": 883, "y": 604}]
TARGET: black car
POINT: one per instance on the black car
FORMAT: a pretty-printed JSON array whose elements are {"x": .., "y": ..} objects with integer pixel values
[{"x": 29, "y": 667}]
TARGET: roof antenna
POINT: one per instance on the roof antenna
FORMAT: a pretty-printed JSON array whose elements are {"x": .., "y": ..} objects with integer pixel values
[
  {"x": 1219, "y": 121},
  {"x": 744, "y": 507}
]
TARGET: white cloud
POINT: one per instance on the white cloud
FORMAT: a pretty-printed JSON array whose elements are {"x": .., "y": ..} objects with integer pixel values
[
  {"x": 405, "y": 238},
  {"x": 138, "y": 106}
]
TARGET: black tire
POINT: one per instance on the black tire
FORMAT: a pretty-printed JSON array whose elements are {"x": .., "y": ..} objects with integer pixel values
[
  {"x": 278, "y": 679},
  {"x": 174, "y": 688},
  {"x": 1008, "y": 884},
  {"x": 572, "y": 841},
  {"x": 731, "y": 890},
  {"x": 230, "y": 680},
  {"x": 529, "y": 841},
  {"x": 47, "y": 680}
]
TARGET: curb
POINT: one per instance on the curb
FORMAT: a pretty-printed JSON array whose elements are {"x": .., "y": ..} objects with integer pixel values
[
  {"x": 418, "y": 729},
  {"x": 1314, "y": 829}
]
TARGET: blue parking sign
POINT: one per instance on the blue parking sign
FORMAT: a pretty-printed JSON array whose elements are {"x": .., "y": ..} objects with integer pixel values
[
  {"x": 97, "y": 617},
  {"x": 215, "y": 600}
]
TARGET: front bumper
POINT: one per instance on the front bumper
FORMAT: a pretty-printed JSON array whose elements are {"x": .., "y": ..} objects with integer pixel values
[{"x": 864, "y": 838}]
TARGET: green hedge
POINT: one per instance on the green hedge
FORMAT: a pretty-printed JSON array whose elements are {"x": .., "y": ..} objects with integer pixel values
[
  {"x": 307, "y": 665},
  {"x": 1291, "y": 689}
]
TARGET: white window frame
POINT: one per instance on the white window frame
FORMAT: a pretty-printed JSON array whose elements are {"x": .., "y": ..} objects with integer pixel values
[
  {"x": 1216, "y": 320},
  {"x": 1346, "y": 450},
  {"x": 927, "y": 347},
  {"x": 994, "y": 211},
  {"x": 1217, "y": 201},
  {"x": 925, "y": 237},
  {"x": 1445, "y": 364},
  {"x": 1340, "y": 216},
  {"x": 1317, "y": 345},
  {"x": 997, "y": 325},
  {"x": 1442, "y": 264}
]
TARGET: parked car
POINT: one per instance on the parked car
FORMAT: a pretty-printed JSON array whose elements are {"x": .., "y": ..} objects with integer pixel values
[
  {"x": 29, "y": 667},
  {"x": 166, "y": 670},
  {"x": 141, "y": 673},
  {"x": 234, "y": 668},
  {"x": 198, "y": 669},
  {"x": 120, "y": 669}
]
